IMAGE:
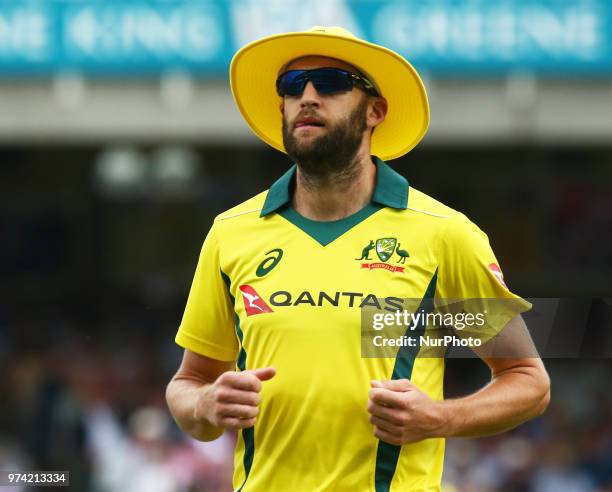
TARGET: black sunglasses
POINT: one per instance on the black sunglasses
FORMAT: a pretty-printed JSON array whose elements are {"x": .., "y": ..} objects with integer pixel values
[{"x": 325, "y": 80}]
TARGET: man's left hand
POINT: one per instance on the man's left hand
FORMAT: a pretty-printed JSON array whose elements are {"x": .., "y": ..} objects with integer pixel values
[{"x": 402, "y": 413}]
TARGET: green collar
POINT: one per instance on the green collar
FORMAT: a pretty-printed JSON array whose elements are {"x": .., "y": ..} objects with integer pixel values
[{"x": 391, "y": 189}]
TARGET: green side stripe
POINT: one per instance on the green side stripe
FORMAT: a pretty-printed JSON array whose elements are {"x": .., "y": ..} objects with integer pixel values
[
  {"x": 248, "y": 435},
  {"x": 228, "y": 284},
  {"x": 326, "y": 232},
  {"x": 241, "y": 362},
  {"x": 404, "y": 360},
  {"x": 387, "y": 454}
]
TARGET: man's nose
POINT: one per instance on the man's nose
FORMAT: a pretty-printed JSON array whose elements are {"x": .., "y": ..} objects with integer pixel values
[{"x": 310, "y": 95}]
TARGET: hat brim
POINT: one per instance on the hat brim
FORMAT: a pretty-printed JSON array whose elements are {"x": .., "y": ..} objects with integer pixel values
[{"x": 254, "y": 69}]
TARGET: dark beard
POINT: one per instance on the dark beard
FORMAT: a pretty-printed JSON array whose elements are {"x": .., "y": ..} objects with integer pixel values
[{"x": 332, "y": 154}]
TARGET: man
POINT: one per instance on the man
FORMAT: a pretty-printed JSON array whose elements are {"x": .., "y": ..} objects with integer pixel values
[{"x": 272, "y": 326}]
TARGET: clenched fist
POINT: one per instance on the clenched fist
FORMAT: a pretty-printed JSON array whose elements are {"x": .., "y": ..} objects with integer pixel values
[
  {"x": 232, "y": 401},
  {"x": 402, "y": 413}
]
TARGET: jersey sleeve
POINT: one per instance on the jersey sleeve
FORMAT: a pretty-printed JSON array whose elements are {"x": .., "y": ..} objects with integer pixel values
[
  {"x": 470, "y": 279},
  {"x": 207, "y": 327}
]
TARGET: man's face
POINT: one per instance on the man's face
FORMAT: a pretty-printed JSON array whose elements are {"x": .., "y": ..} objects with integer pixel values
[{"x": 323, "y": 132}]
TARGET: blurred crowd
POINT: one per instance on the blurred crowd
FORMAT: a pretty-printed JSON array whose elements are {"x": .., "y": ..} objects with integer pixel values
[
  {"x": 568, "y": 449},
  {"x": 96, "y": 408}
]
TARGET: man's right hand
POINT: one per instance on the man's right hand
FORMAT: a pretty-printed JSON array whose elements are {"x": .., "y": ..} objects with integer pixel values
[{"x": 232, "y": 401}]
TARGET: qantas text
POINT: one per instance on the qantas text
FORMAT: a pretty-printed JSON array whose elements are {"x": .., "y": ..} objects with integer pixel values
[{"x": 349, "y": 299}]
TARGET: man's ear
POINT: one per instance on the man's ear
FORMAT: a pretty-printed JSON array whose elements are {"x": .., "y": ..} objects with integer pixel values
[
  {"x": 281, "y": 106},
  {"x": 377, "y": 111}
]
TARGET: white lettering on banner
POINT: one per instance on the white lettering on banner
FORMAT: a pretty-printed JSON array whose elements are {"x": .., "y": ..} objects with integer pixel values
[
  {"x": 24, "y": 33},
  {"x": 496, "y": 32},
  {"x": 574, "y": 33},
  {"x": 137, "y": 32},
  {"x": 254, "y": 19},
  {"x": 82, "y": 31}
]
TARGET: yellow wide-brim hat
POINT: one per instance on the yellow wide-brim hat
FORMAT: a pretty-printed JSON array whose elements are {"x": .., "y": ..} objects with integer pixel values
[{"x": 255, "y": 67}]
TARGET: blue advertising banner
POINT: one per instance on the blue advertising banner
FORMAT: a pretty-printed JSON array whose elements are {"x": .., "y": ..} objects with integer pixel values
[{"x": 440, "y": 37}]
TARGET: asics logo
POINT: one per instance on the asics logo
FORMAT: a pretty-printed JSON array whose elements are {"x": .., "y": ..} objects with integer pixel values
[{"x": 270, "y": 262}]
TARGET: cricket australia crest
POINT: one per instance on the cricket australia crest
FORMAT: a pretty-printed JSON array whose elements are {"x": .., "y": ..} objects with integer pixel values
[{"x": 385, "y": 247}]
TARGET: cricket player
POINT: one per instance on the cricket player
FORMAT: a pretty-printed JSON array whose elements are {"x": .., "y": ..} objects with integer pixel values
[{"x": 272, "y": 329}]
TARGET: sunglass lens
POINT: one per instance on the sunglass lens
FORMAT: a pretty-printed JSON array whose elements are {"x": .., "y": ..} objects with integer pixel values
[
  {"x": 327, "y": 81},
  {"x": 291, "y": 83}
]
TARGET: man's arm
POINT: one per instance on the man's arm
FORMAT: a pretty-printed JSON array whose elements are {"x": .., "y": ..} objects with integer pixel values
[
  {"x": 206, "y": 396},
  {"x": 518, "y": 391}
]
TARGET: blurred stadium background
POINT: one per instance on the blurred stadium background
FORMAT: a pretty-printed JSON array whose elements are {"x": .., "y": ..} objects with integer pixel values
[{"x": 119, "y": 143}]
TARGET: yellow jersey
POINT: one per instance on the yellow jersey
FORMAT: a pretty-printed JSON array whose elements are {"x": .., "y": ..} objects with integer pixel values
[{"x": 273, "y": 288}]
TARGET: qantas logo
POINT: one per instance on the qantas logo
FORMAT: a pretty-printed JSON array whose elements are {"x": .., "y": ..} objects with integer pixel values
[
  {"x": 498, "y": 274},
  {"x": 253, "y": 303}
]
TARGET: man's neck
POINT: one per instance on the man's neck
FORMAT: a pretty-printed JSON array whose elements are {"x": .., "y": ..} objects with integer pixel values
[{"x": 338, "y": 196}]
